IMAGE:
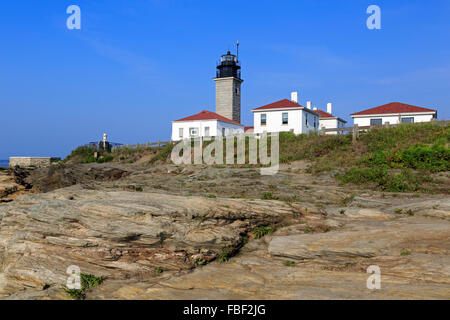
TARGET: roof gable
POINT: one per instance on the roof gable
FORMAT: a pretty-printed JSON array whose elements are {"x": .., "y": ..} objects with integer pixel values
[
  {"x": 393, "y": 107},
  {"x": 208, "y": 115}
]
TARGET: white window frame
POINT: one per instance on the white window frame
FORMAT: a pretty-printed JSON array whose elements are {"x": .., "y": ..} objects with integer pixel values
[
  {"x": 265, "y": 119},
  {"x": 376, "y": 119},
  {"x": 193, "y": 129},
  {"x": 287, "y": 118},
  {"x": 401, "y": 120}
]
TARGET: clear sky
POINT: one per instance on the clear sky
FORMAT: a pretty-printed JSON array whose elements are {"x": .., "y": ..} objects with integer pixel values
[{"x": 137, "y": 65}]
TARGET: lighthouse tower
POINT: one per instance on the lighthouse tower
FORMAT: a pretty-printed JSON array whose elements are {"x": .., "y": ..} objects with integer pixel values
[{"x": 228, "y": 87}]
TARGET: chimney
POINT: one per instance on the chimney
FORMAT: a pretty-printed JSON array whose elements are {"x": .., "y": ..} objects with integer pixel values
[
  {"x": 329, "y": 108},
  {"x": 294, "y": 96},
  {"x": 308, "y": 104}
]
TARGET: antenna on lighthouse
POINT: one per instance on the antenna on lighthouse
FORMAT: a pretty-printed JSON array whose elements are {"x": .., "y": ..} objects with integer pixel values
[{"x": 237, "y": 55}]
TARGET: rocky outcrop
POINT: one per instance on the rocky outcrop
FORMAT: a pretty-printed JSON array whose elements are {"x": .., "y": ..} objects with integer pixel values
[
  {"x": 120, "y": 234},
  {"x": 61, "y": 175},
  {"x": 127, "y": 223}
]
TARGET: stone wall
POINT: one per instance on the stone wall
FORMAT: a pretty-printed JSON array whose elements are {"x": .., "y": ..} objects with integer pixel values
[{"x": 30, "y": 161}]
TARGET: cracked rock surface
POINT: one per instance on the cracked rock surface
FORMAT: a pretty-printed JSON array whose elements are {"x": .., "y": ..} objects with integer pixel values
[{"x": 183, "y": 220}]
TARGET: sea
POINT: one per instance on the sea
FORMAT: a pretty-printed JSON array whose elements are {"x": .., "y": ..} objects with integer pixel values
[{"x": 4, "y": 163}]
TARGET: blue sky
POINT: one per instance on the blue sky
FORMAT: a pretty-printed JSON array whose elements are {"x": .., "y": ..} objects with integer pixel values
[{"x": 137, "y": 65}]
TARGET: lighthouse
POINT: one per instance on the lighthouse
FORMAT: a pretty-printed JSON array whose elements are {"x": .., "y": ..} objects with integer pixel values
[{"x": 228, "y": 87}]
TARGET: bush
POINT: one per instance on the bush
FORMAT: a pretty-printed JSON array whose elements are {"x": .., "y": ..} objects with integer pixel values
[
  {"x": 87, "y": 281},
  {"x": 382, "y": 178},
  {"x": 163, "y": 154},
  {"x": 85, "y": 154},
  {"x": 433, "y": 158}
]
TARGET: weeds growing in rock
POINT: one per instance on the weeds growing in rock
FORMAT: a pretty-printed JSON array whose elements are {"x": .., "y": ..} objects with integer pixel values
[
  {"x": 88, "y": 281},
  {"x": 346, "y": 200},
  {"x": 225, "y": 255},
  {"x": 268, "y": 196},
  {"x": 289, "y": 263},
  {"x": 405, "y": 253},
  {"x": 261, "y": 231}
]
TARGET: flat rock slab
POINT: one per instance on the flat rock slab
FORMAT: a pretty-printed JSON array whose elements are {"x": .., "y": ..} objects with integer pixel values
[{"x": 366, "y": 240}]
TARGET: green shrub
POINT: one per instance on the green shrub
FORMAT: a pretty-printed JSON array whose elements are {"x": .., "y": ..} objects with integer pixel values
[
  {"x": 87, "y": 281},
  {"x": 163, "y": 154},
  {"x": 86, "y": 154},
  {"x": 382, "y": 178},
  {"x": 433, "y": 158}
]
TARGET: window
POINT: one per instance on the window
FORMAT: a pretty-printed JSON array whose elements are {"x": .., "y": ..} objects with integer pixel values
[
  {"x": 285, "y": 118},
  {"x": 306, "y": 117},
  {"x": 263, "y": 119},
  {"x": 180, "y": 132},
  {"x": 223, "y": 132},
  {"x": 315, "y": 122},
  {"x": 376, "y": 122},
  {"x": 193, "y": 132},
  {"x": 206, "y": 131},
  {"x": 408, "y": 120}
]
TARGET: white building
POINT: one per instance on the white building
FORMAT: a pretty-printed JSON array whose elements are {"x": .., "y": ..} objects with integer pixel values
[
  {"x": 328, "y": 121},
  {"x": 285, "y": 115},
  {"x": 204, "y": 124},
  {"x": 394, "y": 113}
]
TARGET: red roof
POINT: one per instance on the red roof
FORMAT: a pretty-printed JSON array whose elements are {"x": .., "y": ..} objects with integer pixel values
[
  {"x": 208, "y": 115},
  {"x": 324, "y": 114},
  {"x": 285, "y": 103},
  {"x": 248, "y": 128},
  {"x": 393, "y": 107}
]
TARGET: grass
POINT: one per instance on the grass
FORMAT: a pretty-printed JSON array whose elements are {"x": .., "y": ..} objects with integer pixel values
[
  {"x": 158, "y": 271},
  {"x": 309, "y": 229},
  {"x": 261, "y": 231},
  {"x": 163, "y": 154},
  {"x": 289, "y": 263},
  {"x": 347, "y": 200},
  {"x": 268, "y": 196},
  {"x": 88, "y": 281},
  {"x": 85, "y": 154},
  {"x": 383, "y": 179},
  {"x": 395, "y": 159},
  {"x": 405, "y": 253},
  {"x": 226, "y": 254}
]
